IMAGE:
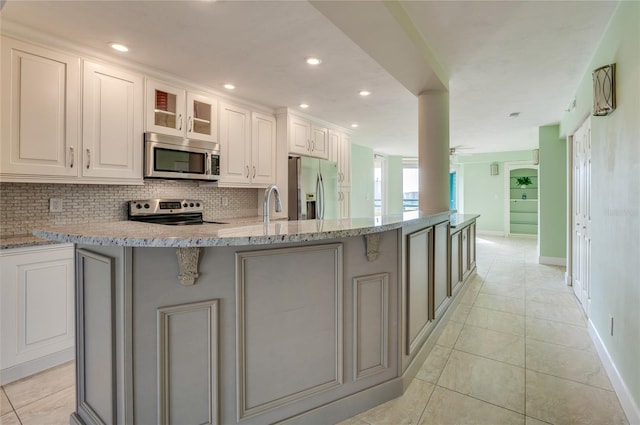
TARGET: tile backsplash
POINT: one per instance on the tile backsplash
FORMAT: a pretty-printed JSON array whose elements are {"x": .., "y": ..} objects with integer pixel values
[{"x": 25, "y": 206}]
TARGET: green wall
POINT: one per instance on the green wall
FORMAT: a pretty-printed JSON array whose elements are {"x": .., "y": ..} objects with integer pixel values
[
  {"x": 394, "y": 184},
  {"x": 552, "y": 181},
  {"x": 361, "y": 181},
  {"x": 615, "y": 196},
  {"x": 483, "y": 193}
]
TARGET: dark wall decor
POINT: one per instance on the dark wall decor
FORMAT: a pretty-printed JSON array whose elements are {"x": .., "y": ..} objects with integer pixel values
[{"x": 604, "y": 90}]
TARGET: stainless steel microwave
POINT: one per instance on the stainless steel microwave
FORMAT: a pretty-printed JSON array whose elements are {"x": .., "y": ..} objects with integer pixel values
[{"x": 170, "y": 157}]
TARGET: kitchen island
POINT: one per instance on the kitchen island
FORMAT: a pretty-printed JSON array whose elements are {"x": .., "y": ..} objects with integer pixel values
[{"x": 291, "y": 321}]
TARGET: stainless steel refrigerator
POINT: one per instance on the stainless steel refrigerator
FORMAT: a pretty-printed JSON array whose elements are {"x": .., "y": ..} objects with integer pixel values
[{"x": 313, "y": 189}]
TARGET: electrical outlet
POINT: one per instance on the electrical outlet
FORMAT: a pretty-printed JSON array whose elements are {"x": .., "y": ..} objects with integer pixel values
[
  {"x": 225, "y": 201},
  {"x": 611, "y": 325},
  {"x": 55, "y": 205}
]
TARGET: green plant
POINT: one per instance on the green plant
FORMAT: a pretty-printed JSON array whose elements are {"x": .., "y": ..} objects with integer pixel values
[{"x": 523, "y": 181}]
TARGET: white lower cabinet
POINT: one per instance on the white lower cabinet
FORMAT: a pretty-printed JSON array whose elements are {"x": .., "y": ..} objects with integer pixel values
[{"x": 37, "y": 309}]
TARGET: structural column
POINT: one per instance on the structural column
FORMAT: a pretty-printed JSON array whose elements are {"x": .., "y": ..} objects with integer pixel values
[{"x": 433, "y": 150}]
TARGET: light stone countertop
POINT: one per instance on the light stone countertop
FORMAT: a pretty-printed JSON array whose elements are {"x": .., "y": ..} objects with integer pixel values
[
  {"x": 23, "y": 241},
  {"x": 137, "y": 234},
  {"x": 461, "y": 220}
]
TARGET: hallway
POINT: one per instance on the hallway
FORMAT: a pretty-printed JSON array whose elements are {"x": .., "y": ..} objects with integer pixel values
[{"x": 515, "y": 351}]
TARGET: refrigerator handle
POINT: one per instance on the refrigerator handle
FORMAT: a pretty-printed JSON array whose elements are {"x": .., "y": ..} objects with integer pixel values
[
  {"x": 322, "y": 203},
  {"x": 318, "y": 195}
]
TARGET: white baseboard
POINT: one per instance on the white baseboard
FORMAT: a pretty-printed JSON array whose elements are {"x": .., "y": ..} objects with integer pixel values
[
  {"x": 624, "y": 395},
  {"x": 31, "y": 367},
  {"x": 552, "y": 261},
  {"x": 489, "y": 233}
]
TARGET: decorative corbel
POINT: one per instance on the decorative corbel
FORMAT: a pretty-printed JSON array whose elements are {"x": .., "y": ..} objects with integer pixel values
[
  {"x": 188, "y": 265},
  {"x": 372, "y": 242}
]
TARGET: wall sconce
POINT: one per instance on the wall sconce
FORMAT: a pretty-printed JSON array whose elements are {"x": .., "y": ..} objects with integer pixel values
[
  {"x": 604, "y": 90},
  {"x": 494, "y": 169}
]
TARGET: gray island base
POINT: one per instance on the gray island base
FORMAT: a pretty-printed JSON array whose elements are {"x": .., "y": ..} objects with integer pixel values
[{"x": 235, "y": 327}]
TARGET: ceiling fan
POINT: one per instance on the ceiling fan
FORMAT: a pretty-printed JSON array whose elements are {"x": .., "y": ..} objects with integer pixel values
[{"x": 453, "y": 151}]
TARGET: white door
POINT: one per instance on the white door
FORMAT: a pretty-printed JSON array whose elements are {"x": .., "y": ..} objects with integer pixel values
[
  {"x": 202, "y": 113},
  {"x": 112, "y": 123},
  {"x": 39, "y": 103},
  {"x": 299, "y": 136},
  {"x": 263, "y": 149},
  {"x": 235, "y": 144},
  {"x": 581, "y": 255},
  {"x": 165, "y": 109}
]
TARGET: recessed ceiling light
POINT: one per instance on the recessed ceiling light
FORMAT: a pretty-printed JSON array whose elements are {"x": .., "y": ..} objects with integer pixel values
[
  {"x": 364, "y": 93},
  {"x": 119, "y": 47},
  {"x": 354, "y": 125},
  {"x": 304, "y": 105},
  {"x": 229, "y": 86},
  {"x": 514, "y": 115},
  {"x": 312, "y": 60}
]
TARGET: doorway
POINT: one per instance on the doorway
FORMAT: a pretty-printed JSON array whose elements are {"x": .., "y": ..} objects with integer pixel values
[
  {"x": 521, "y": 200},
  {"x": 580, "y": 238}
]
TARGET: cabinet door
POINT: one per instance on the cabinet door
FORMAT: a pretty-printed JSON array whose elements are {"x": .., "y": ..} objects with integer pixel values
[
  {"x": 456, "y": 276},
  {"x": 344, "y": 162},
  {"x": 37, "y": 303},
  {"x": 299, "y": 136},
  {"x": 441, "y": 288},
  {"x": 263, "y": 149},
  {"x": 235, "y": 144},
  {"x": 202, "y": 113},
  {"x": 112, "y": 123},
  {"x": 319, "y": 142},
  {"x": 419, "y": 290},
  {"x": 39, "y": 111},
  {"x": 165, "y": 109},
  {"x": 472, "y": 245},
  {"x": 465, "y": 252},
  {"x": 344, "y": 202},
  {"x": 334, "y": 146}
]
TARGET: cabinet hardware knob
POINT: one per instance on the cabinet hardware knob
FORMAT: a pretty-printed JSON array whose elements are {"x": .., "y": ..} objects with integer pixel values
[
  {"x": 72, "y": 156},
  {"x": 190, "y": 124},
  {"x": 247, "y": 167},
  {"x": 180, "y": 118},
  {"x": 88, "y": 158},
  {"x": 254, "y": 171}
]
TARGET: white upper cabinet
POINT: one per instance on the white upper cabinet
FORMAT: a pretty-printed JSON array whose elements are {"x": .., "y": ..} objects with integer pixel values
[
  {"x": 319, "y": 142},
  {"x": 235, "y": 144},
  {"x": 112, "y": 138},
  {"x": 263, "y": 148},
  {"x": 247, "y": 147},
  {"x": 299, "y": 136},
  {"x": 307, "y": 138},
  {"x": 39, "y": 98},
  {"x": 174, "y": 111},
  {"x": 344, "y": 160}
]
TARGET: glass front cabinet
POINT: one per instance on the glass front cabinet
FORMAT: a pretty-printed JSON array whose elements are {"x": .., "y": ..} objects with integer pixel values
[{"x": 177, "y": 112}]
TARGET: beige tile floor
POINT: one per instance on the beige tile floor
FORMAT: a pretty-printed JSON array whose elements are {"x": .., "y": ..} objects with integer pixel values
[{"x": 515, "y": 351}]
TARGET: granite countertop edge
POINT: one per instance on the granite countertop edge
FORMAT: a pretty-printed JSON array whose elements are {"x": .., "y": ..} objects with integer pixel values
[{"x": 135, "y": 234}]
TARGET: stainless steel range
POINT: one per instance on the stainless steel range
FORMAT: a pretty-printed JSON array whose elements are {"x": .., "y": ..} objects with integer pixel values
[{"x": 174, "y": 212}]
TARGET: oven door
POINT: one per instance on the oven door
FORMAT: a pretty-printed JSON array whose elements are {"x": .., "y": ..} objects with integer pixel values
[{"x": 179, "y": 160}]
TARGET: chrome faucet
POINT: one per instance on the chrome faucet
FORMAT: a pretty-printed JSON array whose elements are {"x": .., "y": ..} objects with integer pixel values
[{"x": 267, "y": 197}]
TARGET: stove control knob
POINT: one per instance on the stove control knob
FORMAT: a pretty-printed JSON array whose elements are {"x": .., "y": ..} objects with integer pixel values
[
  {"x": 191, "y": 204},
  {"x": 146, "y": 206},
  {"x": 198, "y": 204},
  {"x": 138, "y": 206},
  {"x": 185, "y": 205}
]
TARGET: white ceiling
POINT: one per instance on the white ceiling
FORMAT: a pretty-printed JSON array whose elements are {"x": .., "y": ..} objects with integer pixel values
[{"x": 500, "y": 57}]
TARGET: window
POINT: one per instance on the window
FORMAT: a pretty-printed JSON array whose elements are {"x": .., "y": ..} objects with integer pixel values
[
  {"x": 410, "y": 184},
  {"x": 379, "y": 174}
]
